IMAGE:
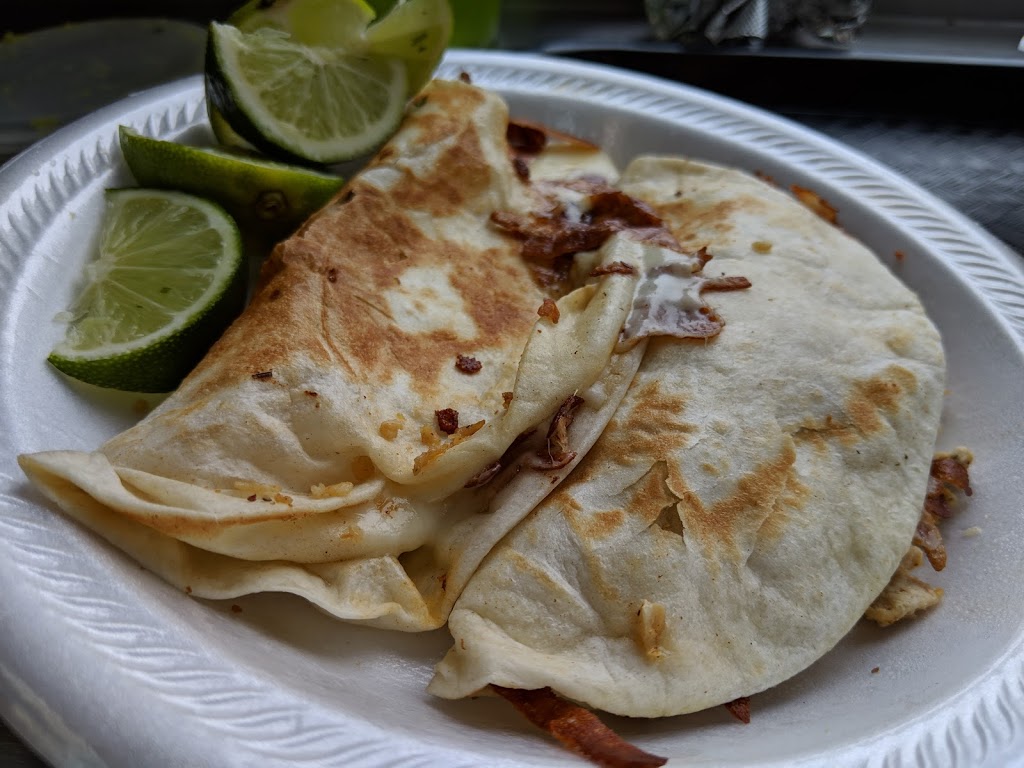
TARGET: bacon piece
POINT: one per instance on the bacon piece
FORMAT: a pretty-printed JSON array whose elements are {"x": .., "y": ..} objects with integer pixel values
[
  {"x": 703, "y": 257},
  {"x": 484, "y": 476},
  {"x": 904, "y": 595},
  {"x": 654, "y": 236},
  {"x": 740, "y": 709},
  {"x": 447, "y": 420},
  {"x": 948, "y": 474},
  {"x": 617, "y": 206},
  {"x": 951, "y": 470},
  {"x": 530, "y": 137},
  {"x": 557, "y": 453},
  {"x": 928, "y": 537},
  {"x": 615, "y": 268},
  {"x": 816, "y": 203},
  {"x": 490, "y": 472},
  {"x": 552, "y": 235},
  {"x": 549, "y": 234},
  {"x": 468, "y": 364},
  {"x": 549, "y": 309},
  {"x": 730, "y": 283},
  {"x": 525, "y": 138},
  {"x": 521, "y": 167},
  {"x": 577, "y": 728}
]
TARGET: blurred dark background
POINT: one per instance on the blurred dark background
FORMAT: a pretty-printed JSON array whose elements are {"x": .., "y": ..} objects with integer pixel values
[{"x": 930, "y": 87}]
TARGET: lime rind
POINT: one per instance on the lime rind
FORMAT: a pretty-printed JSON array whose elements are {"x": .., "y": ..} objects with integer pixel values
[
  {"x": 225, "y": 134},
  {"x": 416, "y": 31},
  {"x": 257, "y": 191},
  {"x": 346, "y": 106}
]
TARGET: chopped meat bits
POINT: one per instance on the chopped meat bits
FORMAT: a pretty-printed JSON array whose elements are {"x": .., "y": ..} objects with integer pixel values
[
  {"x": 725, "y": 283},
  {"x": 549, "y": 310},
  {"x": 556, "y": 453},
  {"x": 906, "y": 595},
  {"x": 524, "y": 138},
  {"x": 577, "y": 728},
  {"x": 447, "y": 420},
  {"x": 740, "y": 709},
  {"x": 948, "y": 475},
  {"x": 468, "y": 364}
]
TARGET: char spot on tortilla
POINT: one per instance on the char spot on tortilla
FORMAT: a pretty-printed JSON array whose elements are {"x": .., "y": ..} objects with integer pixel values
[
  {"x": 650, "y": 432},
  {"x": 443, "y": 119},
  {"x": 900, "y": 341},
  {"x": 542, "y": 576},
  {"x": 879, "y": 394},
  {"x": 588, "y": 535},
  {"x": 747, "y": 509},
  {"x": 794, "y": 496},
  {"x": 819, "y": 433},
  {"x": 701, "y": 218},
  {"x": 649, "y": 497},
  {"x": 443, "y": 193},
  {"x": 350, "y": 320},
  {"x": 599, "y": 525}
]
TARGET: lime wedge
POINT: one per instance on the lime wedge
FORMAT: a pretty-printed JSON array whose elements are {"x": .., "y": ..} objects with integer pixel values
[
  {"x": 256, "y": 192},
  {"x": 325, "y": 23},
  {"x": 417, "y": 32},
  {"x": 321, "y": 105},
  {"x": 165, "y": 285}
]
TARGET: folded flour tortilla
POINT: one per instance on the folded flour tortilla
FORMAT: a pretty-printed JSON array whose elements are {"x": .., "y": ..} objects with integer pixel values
[
  {"x": 304, "y": 454},
  {"x": 750, "y": 497}
]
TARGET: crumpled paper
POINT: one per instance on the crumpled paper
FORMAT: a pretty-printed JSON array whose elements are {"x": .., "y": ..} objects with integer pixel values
[{"x": 804, "y": 22}]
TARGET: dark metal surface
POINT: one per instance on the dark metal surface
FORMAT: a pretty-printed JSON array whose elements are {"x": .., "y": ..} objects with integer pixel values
[{"x": 977, "y": 170}]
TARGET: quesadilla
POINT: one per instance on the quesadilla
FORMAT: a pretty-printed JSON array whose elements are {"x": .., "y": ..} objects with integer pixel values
[
  {"x": 753, "y": 492},
  {"x": 343, "y": 440}
]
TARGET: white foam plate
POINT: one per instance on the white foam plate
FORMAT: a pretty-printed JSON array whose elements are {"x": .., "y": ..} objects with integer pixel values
[{"x": 103, "y": 664}]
